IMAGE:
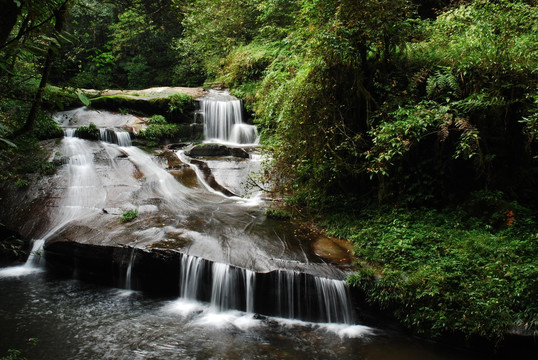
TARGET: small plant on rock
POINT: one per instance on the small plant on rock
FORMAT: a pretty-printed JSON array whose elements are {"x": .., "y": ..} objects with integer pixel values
[{"x": 128, "y": 215}]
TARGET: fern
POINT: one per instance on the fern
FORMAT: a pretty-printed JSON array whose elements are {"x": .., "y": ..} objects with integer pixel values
[
  {"x": 443, "y": 83},
  {"x": 479, "y": 101}
]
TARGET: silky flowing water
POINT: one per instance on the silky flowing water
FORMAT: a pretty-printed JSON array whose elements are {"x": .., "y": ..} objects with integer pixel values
[
  {"x": 75, "y": 320},
  {"x": 244, "y": 280}
]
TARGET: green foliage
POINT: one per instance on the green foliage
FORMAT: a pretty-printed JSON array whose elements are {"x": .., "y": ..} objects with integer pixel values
[
  {"x": 47, "y": 128},
  {"x": 12, "y": 247},
  {"x": 447, "y": 272},
  {"x": 393, "y": 139},
  {"x": 128, "y": 215},
  {"x": 3, "y": 133},
  {"x": 157, "y": 120},
  {"x": 212, "y": 29},
  {"x": 246, "y": 63},
  {"x": 158, "y": 131},
  {"x": 482, "y": 38},
  {"x": 13, "y": 354},
  {"x": 281, "y": 214},
  {"x": 90, "y": 132},
  {"x": 120, "y": 44},
  {"x": 179, "y": 102}
]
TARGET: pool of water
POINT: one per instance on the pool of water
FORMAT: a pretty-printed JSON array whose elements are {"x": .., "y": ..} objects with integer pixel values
[{"x": 50, "y": 318}]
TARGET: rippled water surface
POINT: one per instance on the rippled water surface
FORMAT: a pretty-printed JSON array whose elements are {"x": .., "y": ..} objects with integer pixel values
[{"x": 75, "y": 320}]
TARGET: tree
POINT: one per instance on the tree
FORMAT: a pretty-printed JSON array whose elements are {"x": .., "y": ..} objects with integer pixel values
[{"x": 59, "y": 16}]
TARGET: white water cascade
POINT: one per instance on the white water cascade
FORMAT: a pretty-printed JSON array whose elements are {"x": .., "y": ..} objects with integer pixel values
[
  {"x": 223, "y": 119},
  {"x": 82, "y": 194},
  {"x": 230, "y": 256},
  {"x": 115, "y": 136},
  {"x": 294, "y": 295},
  {"x": 31, "y": 265}
]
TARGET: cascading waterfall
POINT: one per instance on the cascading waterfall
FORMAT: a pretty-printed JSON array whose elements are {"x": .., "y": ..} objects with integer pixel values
[
  {"x": 35, "y": 254},
  {"x": 82, "y": 195},
  {"x": 334, "y": 298},
  {"x": 301, "y": 296},
  {"x": 70, "y": 132},
  {"x": 115, "y": 136},
  {"x": 224, "y": 287},
  {"x": 244, "y": 134},
  {"x": 294, "y": 295},
  {"x": 223, "y": 119},
  {"x": 86, "y": 190},
  {"x": 191, "y": 274},
  {"x": 250, "y": 288}
]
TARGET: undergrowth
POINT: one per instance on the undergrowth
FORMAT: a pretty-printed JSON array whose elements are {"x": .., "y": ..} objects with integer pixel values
[{"x": 469, "y": 270}]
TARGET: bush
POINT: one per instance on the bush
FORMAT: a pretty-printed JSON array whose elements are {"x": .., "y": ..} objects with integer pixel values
[
  {"x": 155, "y": 133},
  {"x": 446, "y": 272},
  {"x": 90, "y": 132},
  {"x": 157, "y": 120}
]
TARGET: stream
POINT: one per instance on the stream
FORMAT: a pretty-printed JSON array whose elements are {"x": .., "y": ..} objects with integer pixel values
[{"x": 77, "y": 320}]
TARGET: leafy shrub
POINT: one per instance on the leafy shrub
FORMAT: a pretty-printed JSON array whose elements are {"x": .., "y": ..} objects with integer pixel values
[
  {"x": 179, "y": 102},
  {"x": 47, "y": 128},
  {"x": 90, "y": 132},
  {"x": 442, "y": 273},
  {"x": 157, "y": 132},
  {"x": 278, "y": 213},
  {"x": 157, "y": 120}
]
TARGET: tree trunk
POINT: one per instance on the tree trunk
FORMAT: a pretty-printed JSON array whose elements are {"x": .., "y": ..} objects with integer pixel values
[
  {"x": 60, "y": 16},
  {"x": 10, "y": 12}
]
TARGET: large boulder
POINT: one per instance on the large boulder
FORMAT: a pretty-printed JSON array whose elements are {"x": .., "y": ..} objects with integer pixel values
[{"x": 216, "y": 150}]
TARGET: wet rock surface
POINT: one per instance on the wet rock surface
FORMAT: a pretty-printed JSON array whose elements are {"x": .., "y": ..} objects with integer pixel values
[
  {"x": 216, "y": 150},
  {"x": 81, "y": 206}
]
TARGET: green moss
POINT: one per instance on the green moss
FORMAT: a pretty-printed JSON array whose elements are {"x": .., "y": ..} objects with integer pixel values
[{"x": 128, "y": 215}]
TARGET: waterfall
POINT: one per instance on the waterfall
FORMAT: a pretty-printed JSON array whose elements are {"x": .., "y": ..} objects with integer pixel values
[
  {"x": 35, "y": 254},
  {"x": 128, "y": 274},
  {"x": 244, "y": 134},
  {"x": 225, "y": 287},
  {"x": 191, "y": 272},
  {"x": 231, "y": 287},
  {"x": 70, "y": 132},
  {"x": 31, "y": 265},
  {"x": 287, "y": 294},
  {"x": 115, "y": 136},
  {"x": 334, "y": 299},
  {"x": 250, "y": 288},
  {"x": 223, "y": 119}
]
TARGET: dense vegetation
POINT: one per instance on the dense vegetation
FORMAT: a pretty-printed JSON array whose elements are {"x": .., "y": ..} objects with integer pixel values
[{"x": 406, "y": 126}]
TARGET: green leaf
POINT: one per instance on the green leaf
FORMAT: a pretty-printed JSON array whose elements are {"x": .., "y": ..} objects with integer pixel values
[
  {"x": 8, "y": 142},
  {"x": 84, "y": 99}
]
